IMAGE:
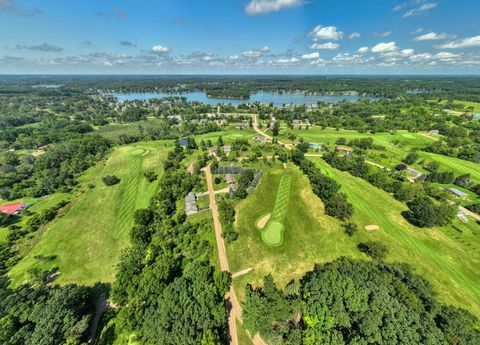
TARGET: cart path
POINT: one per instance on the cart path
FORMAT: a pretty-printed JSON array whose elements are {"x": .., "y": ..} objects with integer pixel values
[{"x": 236, "y": 311}]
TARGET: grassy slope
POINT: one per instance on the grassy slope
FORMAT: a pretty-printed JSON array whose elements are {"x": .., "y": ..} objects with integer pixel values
[
  {"x": 447, "y": 257},
  {"x": 395, "y": 152},
  {"x": 458, "y": 166},
  {"x": 309, "y": 236},
  {"x": 88, "y": 239},
  {"x": 38, "y": 204}
]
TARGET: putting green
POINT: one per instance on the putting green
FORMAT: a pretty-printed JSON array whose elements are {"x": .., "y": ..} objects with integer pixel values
[{"x": 272, "y": 234}]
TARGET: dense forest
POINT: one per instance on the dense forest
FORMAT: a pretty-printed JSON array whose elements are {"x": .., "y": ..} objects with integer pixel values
[{"x": 356, "y": 302}]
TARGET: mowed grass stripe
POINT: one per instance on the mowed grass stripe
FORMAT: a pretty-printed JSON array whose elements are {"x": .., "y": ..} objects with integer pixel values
[
  {"x": 88, "y": 240},
  {"x": 283, "y": 195}
]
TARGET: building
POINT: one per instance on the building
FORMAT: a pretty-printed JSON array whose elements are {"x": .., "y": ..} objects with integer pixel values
[
  {"x": 183, "y": 142},
  {"x": 342, "y": 148},
  {"x": 230, "y": 179},
  {"x": 476, "y": 116},
  {"x": 191, "y": 197},
  {"x": 433, "y": 132},
  {"x": 190, "y": 204},
  {"x": 239, "y": 126},
  {"x": 457, "y": 193},
  {"x": 14, "y": 209},
  {"x": 212, "y": 150},
  {"x": 227, "y": 149}
]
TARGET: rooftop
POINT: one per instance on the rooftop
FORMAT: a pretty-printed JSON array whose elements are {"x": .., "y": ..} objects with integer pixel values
[{"x": 457, "y": 192}]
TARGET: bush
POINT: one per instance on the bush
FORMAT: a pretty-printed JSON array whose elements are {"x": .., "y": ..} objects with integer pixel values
[
  {"x": 474, "y": 208},
  {"x": 350, "y": 228},
  {"x": 376, "y": 250},
  {"x": 339, "y": 207},
  {"x": 151, "y": 176},
  {"x": 110, "y": 180},
  {"x": 217, "y": 180},
  {"x": 425, "y": 213}
]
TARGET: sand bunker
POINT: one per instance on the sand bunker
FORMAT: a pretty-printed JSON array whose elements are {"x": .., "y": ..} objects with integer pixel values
[
  {"x": 263, "y": 221},
  {"x": 372, "y": 227}
]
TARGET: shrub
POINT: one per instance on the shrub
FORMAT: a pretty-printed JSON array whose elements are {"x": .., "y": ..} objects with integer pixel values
[
  {"x": 217, "y": 180},
  {"x": 110, "y": 180},
  {"x": 339, "y": 207},
  {"x": 350, "y": 228},
  {"x": 151, "y": 176},
  {"x": 376, "y": 250}
]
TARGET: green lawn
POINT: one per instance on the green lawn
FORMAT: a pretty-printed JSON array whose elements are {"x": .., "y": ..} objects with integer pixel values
[
  {"x": 448, "y": 257},
  {"x": 458, "y": 166},
  {"x": 309, "y": 236},
  {"x": 38, "y": 204},
  {"x": 272, "y": 234},
  {"x": 87, "y": 241}
]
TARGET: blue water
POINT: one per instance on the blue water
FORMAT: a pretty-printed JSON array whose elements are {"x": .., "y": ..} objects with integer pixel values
[{"x": 278, "y": 99}]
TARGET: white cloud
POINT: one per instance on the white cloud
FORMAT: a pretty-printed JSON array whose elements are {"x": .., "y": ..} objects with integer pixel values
[
  {"x": 263, "y": 49},
  {"x": 326, "y": 46},
  {"x": 256, "y": 7},
  {"x": 158, "y": 49},
  {"x": 233, "y": 58},
  {"x": 383, "y": 34},
  {"x": 252, "y": 54},
  {"x": 433, "y": 36},
  {"x": 384, "y": 47},
  {"x": 468, "y": 42},
  {"x": 407, "y": 52},
  {"x": 420, "y": 9},
  {"x": 447, "y": 56},
  {"x": 314, "y": 55},
  {"x": 348, "y": 58},
  {"x": 363, "y": 50},
  {"x": 354, "y": 35},
  {"x": 421, "y": 57},
  {"x": 318, "y": 62},
  {"x": 285, "y": 60},
  {"x": 326, "y": 33}
]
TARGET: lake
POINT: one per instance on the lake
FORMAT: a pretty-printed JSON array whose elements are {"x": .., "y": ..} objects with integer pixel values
[{"x": 278, "y": 99}]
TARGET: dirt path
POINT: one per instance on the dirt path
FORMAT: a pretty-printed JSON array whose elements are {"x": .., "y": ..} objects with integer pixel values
[
  {"x": 236, "y": 311},
  {"x": 241, "y": 273},
  {"x": 222, "y": 254},
  {"x": 469, "y": 213}
]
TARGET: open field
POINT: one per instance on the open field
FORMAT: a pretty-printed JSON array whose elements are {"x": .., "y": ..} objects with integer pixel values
[
  {"x": 272, "y": 234},
  {"x": 88, "y": 240},
  {"x": 448, "y": 257},
  {"x": 309, "y": 236}
]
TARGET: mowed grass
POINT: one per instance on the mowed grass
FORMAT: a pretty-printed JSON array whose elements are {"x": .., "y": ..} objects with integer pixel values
[
  {"x": 88, "y": 240},
  {"x": 458, "y": 166},
  {"x": 448, "y": 257},
  {"x": 272, "y": 234},
  {"x": 396, "y": 146},
  {"x": 310, "y": 237}
]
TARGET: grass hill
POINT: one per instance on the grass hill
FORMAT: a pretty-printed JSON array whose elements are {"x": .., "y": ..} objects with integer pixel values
[{"x": 86, "y": 242}]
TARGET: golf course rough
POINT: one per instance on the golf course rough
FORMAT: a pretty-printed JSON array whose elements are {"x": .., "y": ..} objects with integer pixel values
[{"x": 272, "y": 233}]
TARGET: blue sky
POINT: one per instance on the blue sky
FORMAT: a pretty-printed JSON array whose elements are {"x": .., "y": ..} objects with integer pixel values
[{"x": 240, "y": 36}]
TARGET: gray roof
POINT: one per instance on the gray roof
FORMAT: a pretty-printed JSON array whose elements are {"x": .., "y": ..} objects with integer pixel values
[
  {"x": 457, "y": 192},
  {"x": 229, "y": 178},
  {"x": 191, "y": 208},
  {"x": 191, "y": 197}
]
